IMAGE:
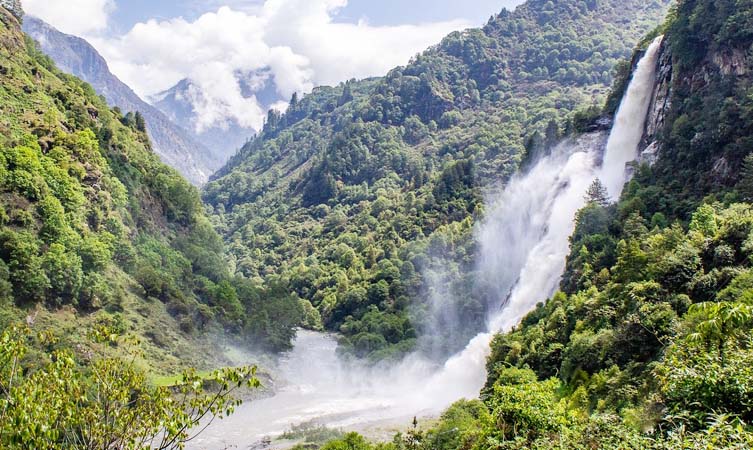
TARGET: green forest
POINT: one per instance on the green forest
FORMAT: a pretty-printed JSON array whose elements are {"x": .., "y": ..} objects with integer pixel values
[
  {"x": 120, "y": 283},
  {"x": 346, "y": 199},
  {"x": 648, "y": 343}
]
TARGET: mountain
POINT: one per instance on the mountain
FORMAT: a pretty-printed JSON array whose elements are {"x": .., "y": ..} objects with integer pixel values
[
  {"x": 362, "y": 197},
  {"x": 648, "y": 344},
  {"x": 179, "y": 103},
  {"x": 172, "y": 143},
  {"x": 96, "y": 231}
]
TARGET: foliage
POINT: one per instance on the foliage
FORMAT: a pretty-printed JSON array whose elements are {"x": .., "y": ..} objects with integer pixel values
[
  {"x": 649, "y": 344},
  {"x": 54, "y": 402},
  {"x": 356, "y": 190},
  {"x": 86, "y": 203}
]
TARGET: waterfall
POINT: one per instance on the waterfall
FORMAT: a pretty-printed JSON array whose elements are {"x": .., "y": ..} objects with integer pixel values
[
  {"x": 525, "y": 238},
  {"x": 524, "y": 242},
  {"x": 630, "y": 122}
]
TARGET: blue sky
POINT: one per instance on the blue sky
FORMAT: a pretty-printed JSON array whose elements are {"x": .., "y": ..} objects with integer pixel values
[
  {"x": 377, "y": 12},
  {"x": 301, "y": 43}
]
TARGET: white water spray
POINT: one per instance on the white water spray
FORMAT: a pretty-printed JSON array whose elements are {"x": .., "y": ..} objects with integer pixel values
[
  {"x": 630, "y": 122},
  {"x": 535, "y": 216},
  {"x": 524, "y": 245}
]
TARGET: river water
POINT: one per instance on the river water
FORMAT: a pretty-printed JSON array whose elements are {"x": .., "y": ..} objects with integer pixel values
[{"x": 314, "y": 386}]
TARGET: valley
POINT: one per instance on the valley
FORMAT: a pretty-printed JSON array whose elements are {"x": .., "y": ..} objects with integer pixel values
[{"x": 535, "y": 234}]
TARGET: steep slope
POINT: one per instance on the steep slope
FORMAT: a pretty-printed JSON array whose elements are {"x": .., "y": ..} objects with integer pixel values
[
  {"x": 362, "y": 197},
  {"x": 181, "y": 102},
  {"x": 95, "y": 230},
  {"x": 648, "y": 345},
  {"x": 172, "y": 143}
]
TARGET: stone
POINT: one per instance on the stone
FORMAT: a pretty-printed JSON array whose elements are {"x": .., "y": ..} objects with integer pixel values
[{"x": 14, "y": 6}]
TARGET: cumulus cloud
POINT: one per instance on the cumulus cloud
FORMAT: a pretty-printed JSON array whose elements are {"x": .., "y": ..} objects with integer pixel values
[
  {"x": 79, "y": 17},
  {"x": 297, "y": 40}
]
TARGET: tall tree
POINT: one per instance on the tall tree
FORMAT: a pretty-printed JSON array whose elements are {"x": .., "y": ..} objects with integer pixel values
[
  {"x": 597, "y": 193},
  {"x": 745, "y": 185}
]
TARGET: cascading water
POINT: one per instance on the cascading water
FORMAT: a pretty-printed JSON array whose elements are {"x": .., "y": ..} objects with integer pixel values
[
  {"x": 630, "y": 123},
  {"x": 535, "y": 217},
  {"x": 524, "y": 244}
]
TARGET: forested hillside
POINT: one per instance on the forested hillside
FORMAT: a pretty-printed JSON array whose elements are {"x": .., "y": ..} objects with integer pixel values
[
  {"x": 360, "y": 192},
  {"x": 171, "y": 142},
  {"x": 96, "y": 231},
  {"x": 648, "y": 344}
]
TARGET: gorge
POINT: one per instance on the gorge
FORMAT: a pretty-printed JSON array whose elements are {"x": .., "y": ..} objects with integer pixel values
[
  {"x": 536, "y": 234},
  {"x": 524, "y": 242}
]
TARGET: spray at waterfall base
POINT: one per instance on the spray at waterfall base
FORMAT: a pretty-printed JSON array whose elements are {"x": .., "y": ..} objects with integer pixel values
[{"x": 523, "y": 244}]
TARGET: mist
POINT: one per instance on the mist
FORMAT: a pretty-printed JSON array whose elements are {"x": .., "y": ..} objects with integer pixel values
[{"x": 522, "y": 246}]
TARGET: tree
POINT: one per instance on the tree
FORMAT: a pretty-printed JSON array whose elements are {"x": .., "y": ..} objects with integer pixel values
[
  {"x": 225, "y": 298},
  {"x": 139, "y": 122},
  {"x": 108, "y": 405},
  {"x": 721, "y": 322},
  {"x": 552, "y": 134},
  {"x": 64, "y": 271},
  {"x": 597, "y": 194},
  {"x": 347, "y": 95},
  {"x": 745, "y": 184}
]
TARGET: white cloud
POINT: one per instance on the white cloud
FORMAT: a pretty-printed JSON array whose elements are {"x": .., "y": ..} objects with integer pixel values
[
  {"x": 79, "y": 17},
  {"x": 298, "y": 40}
]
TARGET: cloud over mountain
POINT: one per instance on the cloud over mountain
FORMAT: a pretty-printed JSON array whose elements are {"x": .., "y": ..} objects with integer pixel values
[
  {"x": 79, "y": 17},
  {"x": 298, "y": 40}
]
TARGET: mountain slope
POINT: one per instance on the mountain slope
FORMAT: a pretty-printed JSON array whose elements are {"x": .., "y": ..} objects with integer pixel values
[
  {"x": 362, "y": 196},
  {"x": 649, "y": 344},
  {"x": 175, "y": 145},
  {"x": 95, "y": 230}
]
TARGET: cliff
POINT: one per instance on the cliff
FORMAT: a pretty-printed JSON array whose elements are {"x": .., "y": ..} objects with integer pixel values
[
  {"x": 14, "y": 6},
  {"x": 174, "y": 145}
]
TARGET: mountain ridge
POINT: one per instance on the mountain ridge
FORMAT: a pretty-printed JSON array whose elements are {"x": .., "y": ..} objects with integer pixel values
[
  {"x": 173, "y": 143},
  {"x": 178, "y": 103},
  {"x": 381, "y": 180}
]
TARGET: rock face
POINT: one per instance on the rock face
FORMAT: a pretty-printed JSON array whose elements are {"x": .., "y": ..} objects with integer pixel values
[
  {"x": 661, "y": 102},
  {"x": 729, "y": 62},
  {"x": 171, "y": 142},
  {"x": 14, "y": 6}
]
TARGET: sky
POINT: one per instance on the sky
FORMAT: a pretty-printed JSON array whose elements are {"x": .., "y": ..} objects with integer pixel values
[{"x": 153, "y": 44}]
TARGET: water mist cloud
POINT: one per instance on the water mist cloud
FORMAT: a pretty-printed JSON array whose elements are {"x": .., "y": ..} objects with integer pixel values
[{"x": 298, "y": 40}]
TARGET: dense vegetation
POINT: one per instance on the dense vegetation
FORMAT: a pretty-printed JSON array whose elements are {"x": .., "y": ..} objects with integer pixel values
[
  {"x": 648, "y": 346},
  {"x": 95, "y": 230},
  {"x": 51, "y": 400},
  {"x": 107, "y": 256},
  {"x": 355, "y": 208},
  {"x": 361, "y": 198}
]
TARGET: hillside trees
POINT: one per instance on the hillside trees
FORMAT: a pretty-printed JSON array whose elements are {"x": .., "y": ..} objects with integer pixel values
[
  {"x": 91, "y": 219},
  {"x": 108, "y": 404},
  {"x": 395, "y": 167}
]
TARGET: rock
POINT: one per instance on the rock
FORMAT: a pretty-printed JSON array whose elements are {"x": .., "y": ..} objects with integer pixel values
[
  {"x": 650, "y": 155},
  {"x": 721, "y": 170},
  {"x": 600, "y": 124},
  {"x": 730, "y": 62},
  {"x": 14, "y": 6},
  {"x": 661, "y": 101}
]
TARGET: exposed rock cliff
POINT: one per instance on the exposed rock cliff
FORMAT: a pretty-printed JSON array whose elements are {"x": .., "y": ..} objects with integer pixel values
[
  {"x": 14, "y": 6},
  {"x": 661, "y": 102}
]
